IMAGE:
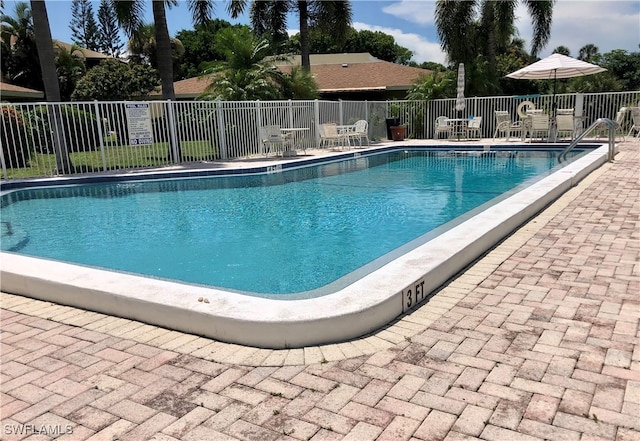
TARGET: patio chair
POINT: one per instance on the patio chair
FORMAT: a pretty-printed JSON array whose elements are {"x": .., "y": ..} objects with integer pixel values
[
  {"x": 473, "y": 126},
  {"x": 620, "y": 115},
  {"x": 329, "y": 134},
  {"x": 271, "y": 138},
  {"x": 635, "y": 117},
  {"x": 505, "y": 126},
  {"x": 360, "y": 130},
  {"x": 565, "y": 122},
  {"x": 539, "y": 123},
  {"x": 442, "y": 126}
]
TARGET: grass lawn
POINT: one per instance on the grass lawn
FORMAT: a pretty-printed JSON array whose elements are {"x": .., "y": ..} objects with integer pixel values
[{"x": 115, "y": 158}]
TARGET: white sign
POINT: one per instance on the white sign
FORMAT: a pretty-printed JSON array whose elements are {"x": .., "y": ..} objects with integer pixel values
[{"x": 139, "y": 123}]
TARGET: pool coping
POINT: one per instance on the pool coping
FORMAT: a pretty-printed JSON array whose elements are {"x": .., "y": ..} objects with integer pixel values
[{"x": 362, "y": 307}]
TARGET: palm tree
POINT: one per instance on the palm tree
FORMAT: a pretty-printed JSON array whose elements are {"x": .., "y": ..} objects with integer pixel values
[
  {"x": 464, "y": 34},
  {"x": 244, "y": 74},
  {"x": 70, "y": 68},
  {"x": 142, "y": 47},
  {"x": 44, "y": 43},
  {"x": 589, "y": 53},
  {"x": 19, "y": 45},
  {"x": 271, "y": 17},
  {"x": 130, "y": 16}
]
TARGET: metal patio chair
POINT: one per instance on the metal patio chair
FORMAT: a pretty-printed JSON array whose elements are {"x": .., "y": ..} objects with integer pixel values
[{"x": 504, "y": 125}]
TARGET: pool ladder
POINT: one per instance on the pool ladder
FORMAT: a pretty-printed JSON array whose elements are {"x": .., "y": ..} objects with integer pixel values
[{"x": 599, "y": 122}]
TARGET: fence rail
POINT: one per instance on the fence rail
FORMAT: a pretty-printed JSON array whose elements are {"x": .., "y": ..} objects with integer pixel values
[{"x": 121, "y": 135}]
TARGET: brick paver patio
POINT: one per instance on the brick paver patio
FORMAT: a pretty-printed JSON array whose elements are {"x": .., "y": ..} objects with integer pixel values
[{"x": 536, "y": 341}]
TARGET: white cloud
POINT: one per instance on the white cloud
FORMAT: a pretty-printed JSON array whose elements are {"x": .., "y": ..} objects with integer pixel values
[
  {"x": 607, "y": 24},
  {"x": 423, "y": 49},
  {"x": 420, "y": 12}
]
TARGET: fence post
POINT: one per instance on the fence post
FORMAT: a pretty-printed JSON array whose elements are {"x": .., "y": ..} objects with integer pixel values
[
  {"x": 100, "y": 134},
  {"x": 340, "y": 110},
  {"x": 222, "y": 138},
  {"x": 316, "y": 119},
  {"x": 290, "y": 113},
  {"x": 259, "y": 125},
  {"x": 173, "y": 139}
]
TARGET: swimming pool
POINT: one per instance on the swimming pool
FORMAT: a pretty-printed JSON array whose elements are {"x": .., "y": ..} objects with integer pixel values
[
  {"x": 380, "y": 291},
  {"x": 288, "y": 234}
]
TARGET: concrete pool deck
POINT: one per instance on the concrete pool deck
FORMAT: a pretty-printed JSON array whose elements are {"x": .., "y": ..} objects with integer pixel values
[{"x": 537, "y": 340}]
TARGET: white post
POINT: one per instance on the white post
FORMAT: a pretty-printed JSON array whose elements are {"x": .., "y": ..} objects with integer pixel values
[
  {"x": 100, "y": 135},
  {"x": 173, "y": 139},
  {"x": 316, "y": 120},
  {"x": 290, "y": 114},
  {"x": 578, "y": 124},
  {"x": 259, "y": 119},
  {"x": 221, "y": 135}
]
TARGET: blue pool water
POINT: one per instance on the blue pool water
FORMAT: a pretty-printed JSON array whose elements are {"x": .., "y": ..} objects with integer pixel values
[{"x": 279, "y": 233}]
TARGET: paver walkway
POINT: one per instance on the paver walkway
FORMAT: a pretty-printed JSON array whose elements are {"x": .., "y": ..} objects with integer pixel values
[{"x": 536, "y": 341}]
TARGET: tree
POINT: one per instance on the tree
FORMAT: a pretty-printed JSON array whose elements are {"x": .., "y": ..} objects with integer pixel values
[
  {"x": 562, "y": 50},
  {"x": 378, "y": 44},
  {"x": 70, "y": 68},
  {"x": 108, "y": 32},
  {"x": 477, "y": 39},
  {"x": 198, "y": 48},
  {"x": 142, "y": 48},
  {"x": 44, "y": 44},
  {"x": 19, "y": 64},
  {"x": 244, "y": 74},
  {"x": 114, "y": 80},
  {"x": 299, "y": 85},
  {"x": 84, "y": 29},
  {"x": 436, "y": 85},
  {"x": 589, "y": 53},
  {"x": 130, "y": 16},
  {"x": 333, "y": 17},
  {"x": 625, "y": 66}
]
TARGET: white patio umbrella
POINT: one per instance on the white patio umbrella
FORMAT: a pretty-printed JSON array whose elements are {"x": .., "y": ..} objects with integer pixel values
[
  {"x": 556, "y": 66},
  {"x": 553, "y": 67},
  {"x": 460, "y": 88}
]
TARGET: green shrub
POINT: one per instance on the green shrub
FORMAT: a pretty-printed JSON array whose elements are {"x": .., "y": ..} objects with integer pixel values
[
  {"x": 15, "y": 149},
  {"x": 80, "y": 129}
]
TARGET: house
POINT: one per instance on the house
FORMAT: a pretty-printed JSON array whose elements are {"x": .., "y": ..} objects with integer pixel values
[
  {"x": 91, "y": 58},
  {"x": 10, "y": 92},
  {"x": 357, "y": 76}
]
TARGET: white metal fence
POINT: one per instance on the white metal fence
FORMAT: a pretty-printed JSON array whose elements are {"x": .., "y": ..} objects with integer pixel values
[{"x": 102, "y": 136}]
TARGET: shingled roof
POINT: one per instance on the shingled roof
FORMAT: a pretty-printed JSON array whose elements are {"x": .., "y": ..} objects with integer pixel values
[
  {"x": 12, "y": 91},
  {"x": 335, "y": 74}
]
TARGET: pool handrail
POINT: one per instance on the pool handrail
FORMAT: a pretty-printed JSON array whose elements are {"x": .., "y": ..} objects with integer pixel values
[{"x": 612, "y": 138}]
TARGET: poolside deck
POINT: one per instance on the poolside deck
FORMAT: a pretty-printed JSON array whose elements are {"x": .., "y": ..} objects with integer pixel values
[{"x": 537, "y": 340}]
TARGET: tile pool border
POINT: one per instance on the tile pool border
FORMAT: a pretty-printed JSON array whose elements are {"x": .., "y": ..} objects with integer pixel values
[{"x": 362, "y": 307}]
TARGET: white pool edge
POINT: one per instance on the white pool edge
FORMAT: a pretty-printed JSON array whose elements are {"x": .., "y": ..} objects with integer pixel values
[{"x": 360, "y": 308}]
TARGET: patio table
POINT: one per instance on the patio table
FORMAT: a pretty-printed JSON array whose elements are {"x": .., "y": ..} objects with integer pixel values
[
  {"x": 294, "y": 133},
  {"x": 459, "y": 125}
]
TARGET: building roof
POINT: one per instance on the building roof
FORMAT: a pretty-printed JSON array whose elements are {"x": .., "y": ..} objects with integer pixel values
[
  {"x": 11, "y": 91},
  {"x": 334, "y": 73},
  {"x": 88, "y": 54}
]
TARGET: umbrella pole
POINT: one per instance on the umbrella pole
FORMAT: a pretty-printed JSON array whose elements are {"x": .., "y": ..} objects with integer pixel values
[{"x": 553, "y": 134}]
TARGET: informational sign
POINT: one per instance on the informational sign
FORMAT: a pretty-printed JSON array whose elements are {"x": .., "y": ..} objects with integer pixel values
[{"x": 139, "y": 123}]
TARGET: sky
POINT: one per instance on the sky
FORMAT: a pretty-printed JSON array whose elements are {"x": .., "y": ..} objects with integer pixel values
[{"x": 608, "y": 24}]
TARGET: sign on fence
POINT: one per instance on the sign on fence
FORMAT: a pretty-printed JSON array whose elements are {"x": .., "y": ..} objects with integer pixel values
[{"x": 139, "y": 123}]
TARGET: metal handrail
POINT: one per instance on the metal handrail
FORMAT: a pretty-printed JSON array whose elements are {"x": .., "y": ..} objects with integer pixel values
[{"x": 612, "y": 138}]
